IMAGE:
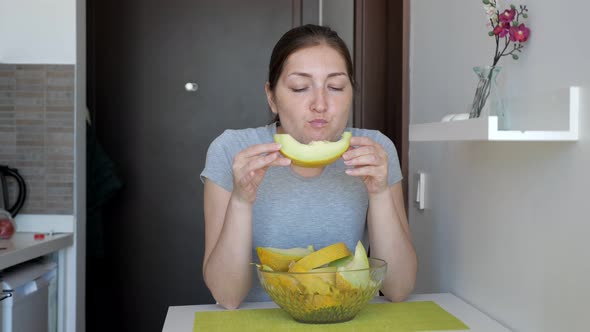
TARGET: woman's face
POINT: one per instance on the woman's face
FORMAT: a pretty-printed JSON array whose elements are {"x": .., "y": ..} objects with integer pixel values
[{"x": 313, "y": 95}]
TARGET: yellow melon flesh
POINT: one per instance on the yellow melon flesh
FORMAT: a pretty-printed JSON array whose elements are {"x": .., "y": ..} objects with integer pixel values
[
  {"x": 278, "y": 279},
  {"x": 314, "y": 154},
  {"x": 326, "y": 274},
  {"x": 314, "y": 284},
  {"x": 321, "y": 257},
  {"x": 322, "y": 282},
  {"x": 279, "y": 259}
]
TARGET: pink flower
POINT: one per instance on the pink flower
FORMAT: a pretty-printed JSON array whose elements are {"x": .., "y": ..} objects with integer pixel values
[
  {"x": 501, "y": 29},
  {"x": 510, "y": 35},
  {"x": 508, "y": 15},
  {"x": 519, "y": 33}
]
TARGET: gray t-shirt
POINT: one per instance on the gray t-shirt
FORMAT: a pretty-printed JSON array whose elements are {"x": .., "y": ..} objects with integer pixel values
[{"x": 294, "y": 211}]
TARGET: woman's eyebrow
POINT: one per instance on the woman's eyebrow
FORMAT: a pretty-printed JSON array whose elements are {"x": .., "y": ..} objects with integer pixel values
[
  {"x": 309, "y": 75},
  {"x": 337, "y": 74},
  {"x": 299, "y": 74}
]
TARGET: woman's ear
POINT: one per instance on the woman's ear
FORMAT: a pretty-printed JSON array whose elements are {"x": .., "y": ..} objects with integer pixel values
[{"x": 270, "y": 98}]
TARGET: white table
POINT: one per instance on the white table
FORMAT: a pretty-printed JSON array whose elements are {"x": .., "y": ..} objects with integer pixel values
[{"x": 181, "y": 318}]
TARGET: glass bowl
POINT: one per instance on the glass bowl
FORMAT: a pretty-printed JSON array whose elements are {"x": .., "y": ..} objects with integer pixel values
[{"x": 324, "y": 297}]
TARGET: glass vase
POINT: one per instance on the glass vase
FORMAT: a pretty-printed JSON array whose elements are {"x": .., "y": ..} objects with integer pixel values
[{"x": 487, "y": 100}]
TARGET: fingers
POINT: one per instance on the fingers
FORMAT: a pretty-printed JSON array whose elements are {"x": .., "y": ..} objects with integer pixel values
[
  {"x": 258, "y": 149},
  {"x": 255, "y": 152},
  {"x": 368, "y": 160},
  {"x": 361, "y": 141},
  {"x": 371, "y": 171},
  {"x": 363, "y": 158},
  {"x": 281, "y": 161},
  {"x": 254, "y": 163},
  {"x": 250, "y": 165},
  {"x": 366, "y": 152},
  {"x": 271, "y": 159},
  {"x": 257, "y": 157}
]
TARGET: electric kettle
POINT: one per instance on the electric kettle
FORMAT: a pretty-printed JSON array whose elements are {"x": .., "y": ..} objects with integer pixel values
[{"x": 5, "y": 201}]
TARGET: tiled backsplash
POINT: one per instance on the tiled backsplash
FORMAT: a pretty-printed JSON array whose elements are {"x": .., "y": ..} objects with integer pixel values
[{"x": 37, "y": 133}]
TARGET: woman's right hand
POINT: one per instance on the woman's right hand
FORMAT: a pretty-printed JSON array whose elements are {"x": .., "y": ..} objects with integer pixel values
[{"x": 249, "y": 167}]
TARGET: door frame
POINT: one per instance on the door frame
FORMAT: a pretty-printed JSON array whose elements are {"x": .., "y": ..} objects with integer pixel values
[{"x": 381, "y": 61}]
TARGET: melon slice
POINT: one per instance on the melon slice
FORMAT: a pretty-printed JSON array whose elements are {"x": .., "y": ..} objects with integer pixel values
[
  {"x": 314, "y": 154},
  {"x": 279, "y": 280},
  {"x": 279, "y": 259},
  {"x": 347, "y": 278},
  {"x": 341, "y": 262},
  {"x": 323, "y": 282},
  {"x": 312, "y": 284},
  {"x": 321, "y": 257},
  {"x": 326, "y": 274}
]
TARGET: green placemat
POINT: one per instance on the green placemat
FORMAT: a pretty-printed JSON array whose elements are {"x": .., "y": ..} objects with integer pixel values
[{"x": 398, "y": 317}]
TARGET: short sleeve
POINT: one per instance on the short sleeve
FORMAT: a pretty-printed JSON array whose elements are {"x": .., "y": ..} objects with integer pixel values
[
  {"x": 218, "y": 165},
  {"x": 395, "y": 172}
]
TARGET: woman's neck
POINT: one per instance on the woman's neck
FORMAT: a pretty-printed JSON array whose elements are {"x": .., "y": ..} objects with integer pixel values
[{"x": 307, "y": 172}]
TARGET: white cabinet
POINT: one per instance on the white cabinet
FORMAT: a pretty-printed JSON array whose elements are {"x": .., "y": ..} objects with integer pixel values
[
  {"x": 32, "y": 303},
  {"x": 23, "y": 247}
]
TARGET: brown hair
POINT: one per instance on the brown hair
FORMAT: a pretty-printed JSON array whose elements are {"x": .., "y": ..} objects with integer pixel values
[{"x": 301, "y": 37}]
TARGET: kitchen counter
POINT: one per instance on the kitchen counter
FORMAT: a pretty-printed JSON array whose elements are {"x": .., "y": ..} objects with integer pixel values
[
  {"x": 180, "y": 318},
  {"x": 23, "y": 247}
]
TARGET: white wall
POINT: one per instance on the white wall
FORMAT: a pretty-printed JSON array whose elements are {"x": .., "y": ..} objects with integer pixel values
[
  {"x": 37, "y": 31},
  {"x": 44, "y": 32},
  {"x": 339, "y": 15},
  {"x": 507, "y": 227}
]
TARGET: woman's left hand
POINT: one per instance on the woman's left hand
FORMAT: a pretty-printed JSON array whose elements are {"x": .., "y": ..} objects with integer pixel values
[{"x": 370, "y": 163}]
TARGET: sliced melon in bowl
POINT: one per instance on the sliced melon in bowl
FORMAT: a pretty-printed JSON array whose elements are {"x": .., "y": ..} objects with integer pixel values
[
  {"x": 314, "y": 154},
  {"x": 279, "y": 280},
  {"x": 327, "y": 274},
  {"x": 322, "y": 281},
  {"x": 354, "y": 274},
  {"x": 342, "y": 261},
  {"x": 321, "y": 257},
  {"x": 279, "y": 259}
]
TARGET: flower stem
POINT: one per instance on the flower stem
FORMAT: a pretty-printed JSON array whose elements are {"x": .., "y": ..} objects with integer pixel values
[{"x": 482, "y": 93}]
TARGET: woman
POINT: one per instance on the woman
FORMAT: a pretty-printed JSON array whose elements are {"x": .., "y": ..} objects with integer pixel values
[{"x": 255, "y": 197}]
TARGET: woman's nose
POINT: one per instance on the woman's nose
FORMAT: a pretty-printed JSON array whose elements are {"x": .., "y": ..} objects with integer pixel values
[{"x": 319, "y": 103}]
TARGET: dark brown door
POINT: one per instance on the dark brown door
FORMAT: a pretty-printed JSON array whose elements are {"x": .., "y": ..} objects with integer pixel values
[
  {"x": 381, "y": 70},
  {"x": 141, "y": 55}
]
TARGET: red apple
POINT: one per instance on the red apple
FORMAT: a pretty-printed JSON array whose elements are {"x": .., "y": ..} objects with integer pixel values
[{"x": 6, "y": 229}]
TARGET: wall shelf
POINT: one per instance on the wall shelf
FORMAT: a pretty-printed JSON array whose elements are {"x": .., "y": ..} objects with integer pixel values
[{"x": 486, "y": 129}]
